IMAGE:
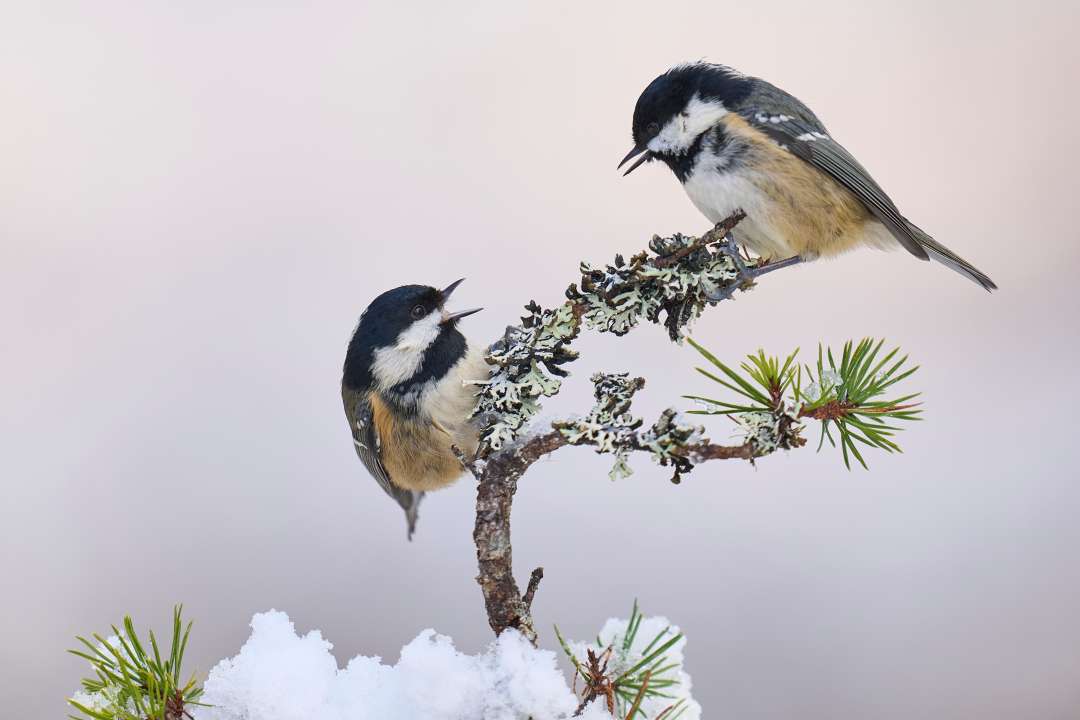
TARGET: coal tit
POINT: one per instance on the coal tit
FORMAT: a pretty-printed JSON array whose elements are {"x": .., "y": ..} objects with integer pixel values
[
  {"x": 408, "y": 391},
  {"x": 736, "y": 141}
]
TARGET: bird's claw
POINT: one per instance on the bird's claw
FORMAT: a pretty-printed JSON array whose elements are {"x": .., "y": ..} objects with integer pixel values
[
  {"x": 731, "y": 249},
  {"x": 746, "y": 276},
  {"x": 769, "y": 266}
]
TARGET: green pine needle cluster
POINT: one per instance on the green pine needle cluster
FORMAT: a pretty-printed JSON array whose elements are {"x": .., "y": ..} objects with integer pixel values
[
  {"x": 860, "y": 391},
  {"x": 131, "y": 684},
  {"x": 633, "y": 678},
  {"x": 846, "y": 396}
]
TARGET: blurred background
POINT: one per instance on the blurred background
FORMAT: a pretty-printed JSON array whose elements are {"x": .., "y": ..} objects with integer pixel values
[{"x": 198, "y": 199}]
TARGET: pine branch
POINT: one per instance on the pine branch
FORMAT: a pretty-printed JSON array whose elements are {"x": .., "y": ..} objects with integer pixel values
[
  {"x": 130, "y": 683},
  {"x": 671, "y": 286},
  {"x": 683, "y": 275}
]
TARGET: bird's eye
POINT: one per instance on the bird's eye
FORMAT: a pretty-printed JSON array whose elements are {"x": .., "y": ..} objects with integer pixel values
[
  {"x": 653, "y": 128},
  {"x": 418, "y": 312}
]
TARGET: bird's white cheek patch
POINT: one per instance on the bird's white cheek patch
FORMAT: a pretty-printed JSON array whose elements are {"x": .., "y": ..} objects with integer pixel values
[
  {"x": 421, "y": 333},
  {"x": 680, "y": 132},
  {"x": 399, "y": 362},
  {"x": 672, "y": 137}
]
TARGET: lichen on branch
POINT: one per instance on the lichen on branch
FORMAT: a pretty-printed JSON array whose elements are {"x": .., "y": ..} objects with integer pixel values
[
  {"x": 526, "y": 365},
  {"x": 671, "y": 283},
  {"x": 611, "y": 428}
]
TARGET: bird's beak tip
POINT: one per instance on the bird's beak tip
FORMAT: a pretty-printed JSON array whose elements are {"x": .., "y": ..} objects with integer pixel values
[
  {"x": 454, "y": 317},
  {"x": 636, "y": 150},
  {"x": 449, "y": 289},
  {"x": 639, "y": 149}
]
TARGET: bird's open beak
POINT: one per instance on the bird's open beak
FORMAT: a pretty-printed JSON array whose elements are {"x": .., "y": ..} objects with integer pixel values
[
  {"x": 639, "y": 149},
  {"x": 454, "y": 317}
]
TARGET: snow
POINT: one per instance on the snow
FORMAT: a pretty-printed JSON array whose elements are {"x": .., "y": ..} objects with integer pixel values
[
  {"x": 612, "y": 635},
  {"x": 282, "y": 675},
  {"x": 108, "y": 700}
]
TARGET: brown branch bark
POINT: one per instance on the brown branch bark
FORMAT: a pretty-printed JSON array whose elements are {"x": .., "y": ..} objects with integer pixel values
[
  {"x": 498, "y": 473},
  {"x": 498, "y": 477},
  {"x": 534, "y": 583},
  {"x": 715, "y": 234}
]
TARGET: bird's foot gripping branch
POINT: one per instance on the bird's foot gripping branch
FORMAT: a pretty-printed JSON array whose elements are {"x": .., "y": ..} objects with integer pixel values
[{"x": 671, "y": 284}]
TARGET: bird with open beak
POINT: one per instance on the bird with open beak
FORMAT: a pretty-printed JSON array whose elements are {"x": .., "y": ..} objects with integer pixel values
[
  {"x": 737, "y": 142},
  {"x": 408, "y": 387}
]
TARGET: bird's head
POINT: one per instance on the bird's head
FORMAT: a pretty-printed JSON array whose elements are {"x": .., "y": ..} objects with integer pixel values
[
  {"x": 405, "y": 338},
  {"x": 679, "y": 107}
]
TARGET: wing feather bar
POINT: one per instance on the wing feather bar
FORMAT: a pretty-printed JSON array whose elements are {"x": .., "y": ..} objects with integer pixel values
[{"x": 812, "y": 144}]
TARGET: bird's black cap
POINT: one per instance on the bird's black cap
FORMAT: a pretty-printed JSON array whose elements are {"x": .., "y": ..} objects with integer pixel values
[
  {"x": 669, "y": 93},
  {"x": 393, "y": 312}
]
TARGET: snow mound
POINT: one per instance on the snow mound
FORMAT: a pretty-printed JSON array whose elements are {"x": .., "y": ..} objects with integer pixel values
[{"x": 280, "y": 675}]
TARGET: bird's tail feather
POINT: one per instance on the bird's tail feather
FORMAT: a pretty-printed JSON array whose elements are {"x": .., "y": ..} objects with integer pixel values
[
  {"x": 409, "y": 500},
  {"x": 948, "y": 258}
]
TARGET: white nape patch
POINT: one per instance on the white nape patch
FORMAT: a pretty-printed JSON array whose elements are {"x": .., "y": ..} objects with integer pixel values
[
  {"x": 812, "y": 136},
  {"x": 680, "y": 132},
  {"x": 399, "y": 362}
]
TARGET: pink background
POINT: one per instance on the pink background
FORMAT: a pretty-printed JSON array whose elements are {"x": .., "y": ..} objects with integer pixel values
[{"x": 198, "y": 199}]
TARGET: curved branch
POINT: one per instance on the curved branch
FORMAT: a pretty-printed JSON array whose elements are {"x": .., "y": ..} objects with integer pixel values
[
  {"x": 498, "y": 476},
  {"x": 683, "y": 276}
]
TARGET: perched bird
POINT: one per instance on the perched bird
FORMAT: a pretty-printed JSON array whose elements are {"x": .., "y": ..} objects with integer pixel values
[
  {"x": 407, "y": 391},
  {"x": 736, "y": 141}
]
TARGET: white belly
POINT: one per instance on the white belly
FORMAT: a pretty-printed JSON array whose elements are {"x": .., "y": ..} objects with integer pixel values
[
  {"x": 452, "y": 399},
  {"x": 718, "y": 194}
]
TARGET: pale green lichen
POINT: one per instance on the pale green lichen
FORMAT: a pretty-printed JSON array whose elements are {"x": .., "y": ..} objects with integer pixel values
[
  {"x": 768, "y": 431},
  {"x": 526, "y": 366},
  {"x": 680, "y": 280},
  {"x": 611, "y": 428},
  {"x": 677, "y": 280},
  {"x": 669, "y": 437}
]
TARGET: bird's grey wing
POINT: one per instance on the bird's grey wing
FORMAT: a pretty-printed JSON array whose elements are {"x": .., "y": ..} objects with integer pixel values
[
  {"x": 366, "y": 440},
  {"x": 795, "y": 127}
]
